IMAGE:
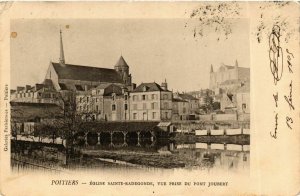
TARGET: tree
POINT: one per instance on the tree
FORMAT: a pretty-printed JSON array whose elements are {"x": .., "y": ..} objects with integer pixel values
[
  {"x": 208, "y": 100},
  {"x": 216, "y": 105},
  {"x": 71, "y": 121}
]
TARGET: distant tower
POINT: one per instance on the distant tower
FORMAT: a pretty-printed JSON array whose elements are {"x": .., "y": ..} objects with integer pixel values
[
  {"x": 211, "y": 69},
  {"x": 236, "y": 63},
  {"x": 62, "y": 56},
  {"x": 123, "y": 69},
  {"x": 164, "y": 85},
  {"x": 212, "y": 78}
]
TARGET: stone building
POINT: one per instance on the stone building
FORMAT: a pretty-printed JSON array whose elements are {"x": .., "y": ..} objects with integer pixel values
[
  {"x": 39, "y": 93},
  {"x": 151, "y": 102},
  {"x": 193, "y": 102},
  {"x": 227, "y": 77},
  {"x": 77, "y": 77},
  {"x": 180, "y": 109},
  {"x": 106, "y": 102},
  {"x": 243, "y": 99},
  {"x": 238, "y": 101},
  {"x": 201, "y": 95}
]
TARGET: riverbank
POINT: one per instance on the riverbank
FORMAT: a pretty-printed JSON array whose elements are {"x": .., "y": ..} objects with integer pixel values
[
  {"x": 232, "y": 139},
  {"x": 139, "y": 158}
]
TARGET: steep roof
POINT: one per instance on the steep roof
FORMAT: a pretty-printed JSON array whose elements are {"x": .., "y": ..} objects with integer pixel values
[
  {"x": 187, "y": 97},
  {"x": 86, "y": 73},
  {"x": 178, "y": 100},
  {"x": 110, "y": 88},
  {"x": 148, "y": 87},
  {"x": 121, "y": 62}
]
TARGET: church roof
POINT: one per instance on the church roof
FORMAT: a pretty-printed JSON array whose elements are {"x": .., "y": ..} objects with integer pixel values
[
  {"x": 86, "y": 73},
  {"x": 121, "y": 62},
  {"x": 148, "y": 87}
]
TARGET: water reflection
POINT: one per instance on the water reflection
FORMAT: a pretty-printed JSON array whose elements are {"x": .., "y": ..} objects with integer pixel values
[{"x": 144, "y": 154}]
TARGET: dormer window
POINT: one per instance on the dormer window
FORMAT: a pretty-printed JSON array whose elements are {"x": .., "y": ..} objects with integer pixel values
[{"x": 145, "y": 88}]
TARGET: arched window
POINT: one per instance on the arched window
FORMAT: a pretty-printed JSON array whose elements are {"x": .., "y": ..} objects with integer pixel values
[{"x": 113, "y": 107}]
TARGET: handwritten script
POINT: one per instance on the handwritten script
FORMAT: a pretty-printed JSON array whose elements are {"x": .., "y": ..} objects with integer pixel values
[
  {"x": 275, "y": 54},
  {"x": 277, "y": 65}
]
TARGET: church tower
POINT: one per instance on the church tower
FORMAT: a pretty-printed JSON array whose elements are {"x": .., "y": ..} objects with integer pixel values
[
  {"x": 123, "y": 69},
  {"x": 62, "y": 55}
]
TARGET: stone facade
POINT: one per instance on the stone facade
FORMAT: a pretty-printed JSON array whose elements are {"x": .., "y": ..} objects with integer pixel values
[{"x": 151, "y": 102}]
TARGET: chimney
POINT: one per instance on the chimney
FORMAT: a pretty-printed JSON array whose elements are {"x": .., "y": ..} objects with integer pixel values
[
  {"x": 164, "y": 85},
  {"x": 86, "y": 87},
  {"x": 133, "y": 86}
]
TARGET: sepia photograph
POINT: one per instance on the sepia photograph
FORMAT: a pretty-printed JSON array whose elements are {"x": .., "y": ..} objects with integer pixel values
[
  {"x": 196, "y": 97},
  {"x": 129, "y": 93}
]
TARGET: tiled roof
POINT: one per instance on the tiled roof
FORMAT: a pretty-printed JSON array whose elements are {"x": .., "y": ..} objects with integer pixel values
[
  {"x": 178, "y": 100},
  {"x": 85, "y": 73},
  {"x": 187, "y": 97},
  {"x": 148, "y": 87}
]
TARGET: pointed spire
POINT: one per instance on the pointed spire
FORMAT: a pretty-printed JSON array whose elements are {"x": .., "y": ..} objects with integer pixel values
[
  {"x": 236, "y": 63},
  {"x": 211, "y": 68},
  {"x": 62, "y": 56},
  {"x": 121, "y": 62}
]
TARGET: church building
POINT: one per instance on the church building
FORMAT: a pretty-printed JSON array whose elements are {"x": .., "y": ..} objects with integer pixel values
[
  {"x": 228, "y": 78},
  {"x": 78, "y": 77}
]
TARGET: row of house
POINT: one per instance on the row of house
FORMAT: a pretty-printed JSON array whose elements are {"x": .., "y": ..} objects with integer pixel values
[
  {"x": 110, "y": 95},
  {"x": 112, "y": 102}
]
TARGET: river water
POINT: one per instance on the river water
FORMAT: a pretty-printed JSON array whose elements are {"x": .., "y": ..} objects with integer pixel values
[{"x": 148, "y": 156}]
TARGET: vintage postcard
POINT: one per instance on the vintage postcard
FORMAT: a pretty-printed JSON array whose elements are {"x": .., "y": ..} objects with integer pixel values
[{"x": 149, "y": 98}]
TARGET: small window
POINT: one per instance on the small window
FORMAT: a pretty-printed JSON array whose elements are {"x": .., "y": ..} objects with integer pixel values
[
  {"x": 143, "y": 97},
  {"x": 125, "y": 106},
  {"x": 134, "y": 116},
  {"x": 126, "y": 97},
  {"x": 113, "y": 107},
  {"x": 87, "y": 99},
  {"x": 97, "y": 108},
  {"x": 153, "y": 115},
  {"x": 144, "y": 106},
  {"x": 244, "y": 106},
  {"x": 152, "y": 105},
  {"x": 134, "y": 98},
  {"x": 153, "y": 96},
  {"x": 166, "y": 114}
]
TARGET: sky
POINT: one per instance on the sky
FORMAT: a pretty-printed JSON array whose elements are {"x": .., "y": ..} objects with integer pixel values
[{"x": 154, "y": 49}]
